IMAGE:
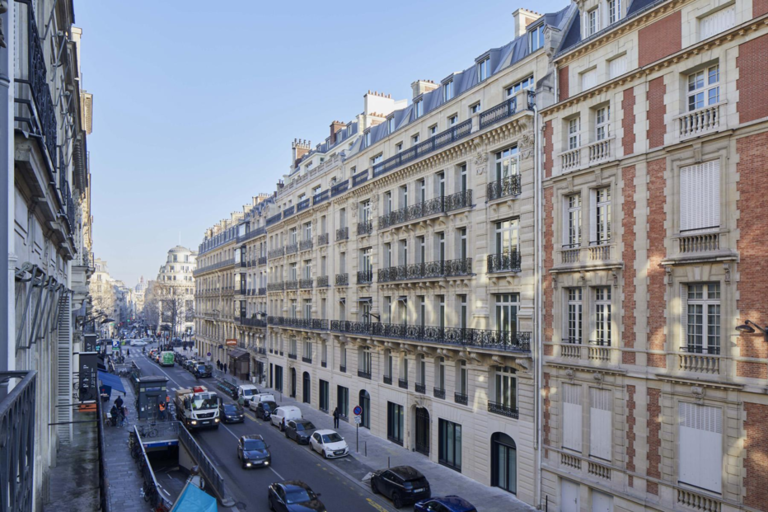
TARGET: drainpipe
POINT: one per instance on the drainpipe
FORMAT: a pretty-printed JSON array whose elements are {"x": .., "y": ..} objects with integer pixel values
[
  {"x": 7, "y": 250},
  {"x": 537, "y": 296}
]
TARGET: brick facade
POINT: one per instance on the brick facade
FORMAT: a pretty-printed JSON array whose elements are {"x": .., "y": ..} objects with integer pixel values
[
  {"x": 660, "y": 39},
  {"x": 562, "y": 84},
  {"x": 628, "y": 257},
  {"x": 547, "y": 404},
  {"x": 631, "y": 422},
  {"x": 654, "y": 439},
  {"x": 756, "y": 460},
  {"x": 752, "y": 85},
  {"x": 656, "y": 110},
  {"x": 628, "y": 123},
  {"x": 657, "y": 303},
  {"x": 759, "y": 7},
  {"x": 549, "y": 156},
  {"x": 549, "y": 262}
]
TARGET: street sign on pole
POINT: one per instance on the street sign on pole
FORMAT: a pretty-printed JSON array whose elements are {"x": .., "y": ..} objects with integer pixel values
[
  {"x": 358, "y": 420},
  {"x": 358, "y": 410}
]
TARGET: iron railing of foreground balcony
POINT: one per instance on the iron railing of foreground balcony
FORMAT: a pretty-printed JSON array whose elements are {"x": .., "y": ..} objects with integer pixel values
[
  {"x": 274, "y": 219},
  {"x": 430, "y": 270},
  {"x": 289, "y": 211},
  {"x": 305, "y": 245},
  {"x": 360, "y": 178},
  {"x": 364, "y": 276},
  {"x": 318, "y": 324},
  {"x": 403, "y": 383},
  {"x": 460, "y": 398},
  {"x": 302, "y": 205},
  {"x": 439, "y": 393},
  {"x": 252, "y": 234},
  {"x": 276, "y": 253},
  {"x": 17, "y": 416},
  {"x": 275, "y": 287},
  {"x": 215, "y": 266},
  {"x": 322, "y": 281},
  {"x": 322, "y": 196},
  {"x": 292, "y": 356},
  {"x": 509, "y": 186},
  {"x": 478, "y": 338},
  {"x": 421, "y": 388},
  {"x": 291, "y": 248},
  {"x": 339, "y": 188},
  {"x": 434, "y": 206},
  {"x": 322, "y": 239},
  {"x": 292, "y": 284},
  {"x": 262, "y": 260},
  {"x": 342, "y": 234},
  {"x": 364, "y": 228},
  {"x": 306, "y": 359},
  {"x": 501, "y": 111},
  {"x": 507, "y": 261},
  {"x": 504, "y": 410},
  {"x": 388, "y": 379},
  {"x": 305, "y": 283},
  {"x": 342, "y": 280},
  {"x": 251, "y": 322}
]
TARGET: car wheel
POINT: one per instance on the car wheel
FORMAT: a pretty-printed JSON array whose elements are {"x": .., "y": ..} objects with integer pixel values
[
  {"x": 374, "y": 487},
  {"x": 397, "y": 501},
  {"x": 325, "y": 454},
  {"x": 286, "y": 435}
]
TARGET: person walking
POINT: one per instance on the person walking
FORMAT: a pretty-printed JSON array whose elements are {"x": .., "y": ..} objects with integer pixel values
[
  {"x": 129, "y": 352},
  {"x": 225, "y": 367},
  {"x": 336, "y": 416},
  {"x": 218, "y": 364},
  {"x": 161, "y": 409},
  {"x": 119, "y": 402}
]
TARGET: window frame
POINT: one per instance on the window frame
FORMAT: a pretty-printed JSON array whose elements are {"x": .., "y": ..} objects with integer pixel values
[
  {"x": 710, "y": 307},
  {"x": 705, "y": 89}
]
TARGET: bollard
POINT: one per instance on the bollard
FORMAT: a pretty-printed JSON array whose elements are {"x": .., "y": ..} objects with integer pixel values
[
  {"x": 387, "y": 462},
  {"x": 366, "y": 448}
]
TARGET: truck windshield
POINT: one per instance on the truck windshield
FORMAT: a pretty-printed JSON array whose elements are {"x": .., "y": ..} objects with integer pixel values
[{"x": 205, "y": 401}]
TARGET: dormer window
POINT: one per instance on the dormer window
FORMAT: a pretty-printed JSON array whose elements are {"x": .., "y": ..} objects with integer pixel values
[
  {"x": 418, "y": 109},
  {"x": 614, "y": 11},
  {"x": 391, "y": 124},
  {"x": 591, "y": 22},
  {"x": 448, "y": 90},
  {"x": 536, "y": 38},
  {"x": 484, "y": 69},
  {"x": 367, "y": 139}
]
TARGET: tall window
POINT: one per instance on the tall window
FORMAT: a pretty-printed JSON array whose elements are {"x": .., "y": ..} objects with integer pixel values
[
  {"x": 592, "y": 22},
  {"x": 308, "y": 231},
  {"x": 388, "y": 363},
  {"x": 506, "y": 387},
  {"x": 573, "y": 228},
  {"x": 507, "y": 305},
  {"x": 717, "y": 22},
  {"x": 601, "y": 233},
  {"x": 364, "y": 360},
  {"x": 507, "y": 236},
  {"x": 387, "y": 202},
  {"x": 293, "y": 236},
  {"x": 614, "y": 11},
  {"x": 507, "y": 163},
  {"x": 700, "y": 443},
  {"x": 484, "y": 69},
  {"x": 293, "y": 271},
  {"x": 342, "y": 400},
  {"x": 440, "y": 373},
  {"x": 421, "y": 370},
  {"x": 600, "y": 424},
  {"x": 700, "y": 196},
  {"x": 574, "y": 321},
  {"x": 536, "y": 37},
  {"x": 572, "y": 425},
  {"x": 365, "y": 260},
  {"x": 704, "y": 88},
  {"x": 462, "y": 378},
  {"x": 307, "y": 308},
  {"x": 324, "y": 398},
  {"x": 449, "y": 439},
  {"x": 387, "y": 255},
  {"x": 422, "y": 310},
  {"x": 307, "y": 271},
  {"x": 463, "y": 323},
  {"x": 440, "y": 246},
  {"x": 463, "y": 177},
  {"x": 395, "y": 422},
  {"x": 703, "y": 329},
  {"x": 462, "y": 239},
  {"x": 421, "y": 249},
  {"x": 574, "y": 139},
  {"x": 448, "y": 90},
  {"x": 403, "y": 196},
  {"x": 365, "y": 210},
  {"x": 391, "y": 124},
  {"x": 603, "y": 316},
  {"x": 603, "y": 123}
]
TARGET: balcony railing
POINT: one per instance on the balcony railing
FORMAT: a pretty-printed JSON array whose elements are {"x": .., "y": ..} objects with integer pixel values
[
  {"x": 460, "y": 398},
  {"x": 274, "y": 219},
  {"x": 305, "y": 245},
  {"x": 276, "y": 287},
  {"x": 699, "y": 122},
  {"x": 302, "y": 205},
  {"x": 701, "y": 242},
  {"x": 322, "y": 196},
  {"x": 322, "y": 239},
  {"x": 499, "y": 112},
  {"x": 364, "y": 375},
  {"x": 430, "y": 270},
  {"x": 262, "y": 260},
  {"x": 364, "y": 276},
  {"x": 402, "y": 383},
  {"x": 252, "y": 234},
  {"x": 288, "y": 211},
  {"x": 339, "y": 188},
  {"x": 342, "y": 280},
  {"x": 509, "y": 186},
  {"x": 250, "y": 322},
  {"x": 292, "y": 356},
  {"x": 570, "y": 159},
  {"x": 435, "y": 206},
  {"x": 507, "y": 261},
  {"x": 421, "y": 388},
  {"x": 600, "y": 151},
  {"x": 317, "y": 324},
  {"x": 261, "y": 291},
  {"x": 276, "y": 253},
  {"x": 305, "y": 283},
  {"x": 478, "y": 338},
  {"x": 364, "y": 228},
  {"x": 388, "y": 379},
  {"x": 291, "y": 249},
  {"x": 343, "y": 368},
  {"x": 504, "y": 410},
  {"x": 322, "y": 281},
  {"x": 17, "y": 415},
  {"x": 293, "y": 284},
  {"x": 306, "y": 359},
  {"x": 215, "y": 266},
  {"x": 439, "y": 393},
  {"x": 342, "y": 234},
  {"x": 360, "y": 178}
]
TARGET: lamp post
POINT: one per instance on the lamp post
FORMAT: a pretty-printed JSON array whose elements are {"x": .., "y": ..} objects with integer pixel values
[{"x": 749, "y": 327}]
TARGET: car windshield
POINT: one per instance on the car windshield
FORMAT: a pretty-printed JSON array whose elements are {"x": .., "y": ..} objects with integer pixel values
[
  {"x": 297, "y": 495},
  {"x": 205, "y": 401},
  {"x": 332, "y": 438},
  {"x": 230, "y": 408},
  {"x": 305, "y": 426},
  {"x": 248, "y": 392},
  {"x": 253, "y": 444},
  {"x": 269, "y": 406}
]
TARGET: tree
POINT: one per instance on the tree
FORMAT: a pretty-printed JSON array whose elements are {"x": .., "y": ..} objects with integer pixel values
[{"x": 173, "y": 312}]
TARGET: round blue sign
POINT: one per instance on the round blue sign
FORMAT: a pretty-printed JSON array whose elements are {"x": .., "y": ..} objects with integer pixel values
[
  {"x": 358, "y": 410},
  {"x": 209, "y": 354}
]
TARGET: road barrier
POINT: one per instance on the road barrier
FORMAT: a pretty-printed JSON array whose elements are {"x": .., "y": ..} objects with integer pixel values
[{"x": 206, "y": 466}]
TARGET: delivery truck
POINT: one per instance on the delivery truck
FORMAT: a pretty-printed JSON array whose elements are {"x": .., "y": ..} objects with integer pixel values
[{"x": 197, "y": 407}]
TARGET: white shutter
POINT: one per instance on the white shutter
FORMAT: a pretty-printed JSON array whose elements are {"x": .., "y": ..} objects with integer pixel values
[
  {"x": 617, "y": 66},
  {"x": 572, "y": 417},
  {"x": 588, "y": 79},
  {"x": 717, "y": 22},
  {"x": 600, "y": 423},
  {"x": 701, "y": 446},
  {"x": 569, "y": 496},
  {"x": 700, "y": 196},
  {"x": 592, "y": 215},
  {"x": 64, "y": 369},
  {"x": 601, "y": 502}
]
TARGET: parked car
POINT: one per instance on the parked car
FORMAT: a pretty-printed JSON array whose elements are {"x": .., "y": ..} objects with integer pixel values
[
  {"x": 228, "y": 388},
  {"x": 264, "y": 410},
  {"x": 190, "y": 365},
  {"x": 245, "y": 392},
  {"x": 231, "y": 413},
  {"x": 283, "y": 414},
  {"x": 329, "y": 444},
  {"x": 444, "y": 504},
  {"x": 261, "y": 397},
  {"x": 253, "y": 451},
  {"x": 138, "y": 343},
  {"x": 293, "y": 496},
  {"x": 203, "y": 370},
  {"x": 299, "y": 430},
  {"x": 402, "y": 484}
]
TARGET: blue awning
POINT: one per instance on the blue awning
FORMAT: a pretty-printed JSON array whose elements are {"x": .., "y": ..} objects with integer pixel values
[
  {"x": 193, "y": 499},
  {"x": 112, "y": 381}
]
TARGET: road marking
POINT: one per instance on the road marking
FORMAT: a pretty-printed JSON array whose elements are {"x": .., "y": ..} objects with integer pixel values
[{"x": 375, "y": 505}]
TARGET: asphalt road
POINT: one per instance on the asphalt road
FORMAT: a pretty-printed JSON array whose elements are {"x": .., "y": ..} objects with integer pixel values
[{"x": 337, "y": 481}]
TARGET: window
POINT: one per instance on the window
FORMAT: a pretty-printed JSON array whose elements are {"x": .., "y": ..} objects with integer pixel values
[
  {"x": 506, "y": 387},
  {"x": 421, "y": 366},
  {"x": 462, "y": 378},
  {"x": 342, "y": 400},
  {"x": 364, "y": 360},
  {"x": 308, "y": 231},
  {"x": 572, "y": 417},
  {"x": 343, "y": 354},
  {"x": 308, "y": 349},
  {"x": 700, "y": 441},
  {"x": 449, "y": 440},
  {"x": 573, "y": 328},
  {"x": 700, "y": 196},
  {"x": 391, "y": 124},
  {"x": 474, "y": 109},
  {"x": 703, "y": 88},
  {"x": 536, "y": 38},
  {"x": 462, "y": 240},
  {"x": 448, "y": 90},
  {"x": 422, "y": 312},
  {"x": 398, "y": 147},
  {"x": 433, "y": 129},
  {"x": 387, "y": 255},
  {"x": 403, "y": 196},
  {"x": 614, "y": 11},
  {"x": 404, "y": 368},
  {"x": 588, "y": 79},
  {"x": 574, "y": 127},
  {"x": 703, "y": 329},
  {"x": 506, "y": 307},
  {"x": 573, "y": 221},
  {"x": 388, "y": 363},
  {"x": 307, "y": 308},
  {"x": 293, "y": 272},
  {"x": 365, "y": 260},
  {"x": 484, "y": 69},
  {"x": 421, "y": 186},
  {"x": 324, "y": 396},
  {"x": 452, "y": 120},
  {"x": 440, "y": 299},
  {"x": 418, "y": 109},
  {"x": 507, "y": 236},
  {"x": 525, "y": 83},
  {"x": 415, "y": 140},
  {"x": 603, "y": 316},
  {"x": 440, "y": 246},
  {"x": 395, "y": 422},
  {"x": 600, "y": 423},
  {"x": 601, "y": 216},
  {"x": 378, "y": 158},
  {"x": 367, "y": 139},
  {"x": 591, "y": 24},
  {"x": 603, "y": 123},
  {"x": 507, "y": 163},
  {"x": 365, "y": 210},
  {"x": 717, "y": 22},
  {"x": 463, "y": 177},
  {"x": 293, "y": 236}
]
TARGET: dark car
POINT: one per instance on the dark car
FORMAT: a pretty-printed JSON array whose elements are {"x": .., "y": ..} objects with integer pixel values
[
  {"x": 299, "y": 430},
  {"x": 402, "y": 484},
  {"x": 203, "y": 370},
  {"x": 445, "y": 504},
  {"x": 264, "y": 409},
  {"x": 231, "y": 413},
  {"x": 294, "y": 496},
  {"x": 228, "y": 388},
  {"x": 253, "y": 451}
]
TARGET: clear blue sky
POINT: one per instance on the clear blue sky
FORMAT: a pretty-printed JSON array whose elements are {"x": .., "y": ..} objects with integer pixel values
[{"x": 196, "y": 102}]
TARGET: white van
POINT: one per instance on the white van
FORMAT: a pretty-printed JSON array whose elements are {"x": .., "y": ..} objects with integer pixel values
[
  {"x": 245, "y": 393},
  {"x": 261, "y": 397},
  {"x": 285, "y": 413}
]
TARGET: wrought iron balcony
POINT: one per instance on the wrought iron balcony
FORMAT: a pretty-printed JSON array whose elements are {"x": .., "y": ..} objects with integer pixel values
[
  {"x": 261, "y": 291},
  {"x": 430, "y": 270},
  {"x": 261, "y": 350},
  {"x": 322, "y": 196},
  {"x": 292, "y": 356},
  {"x": 504, "y": 410},
  {"x": 509, "y": 186},
  {"x": 262, "y": 260},
  {"x": 324, "y": 364},
  {"x": 364, "y": 228},
  {"x": 388, "y": 379},
  {"x": 507, "y": 261},
  {"x": 439, "y": 393},
  {"x": 306, "y": 359},
  {"x": 276, "y": 287},
  {"x": 438, "y": 205},
  {"x": 322, "y": 281},
  {"x": 421, "y": 388},
  {"x": 460, "y": 398},
  {"x": 276, "y": 253},
  {"x": 364, "y": 276},
  {"x": 318, "y": 324},
  {"x": 251, "y": 322},
  {"x": 342, "y": 234},
  {"x": 252, "y": 234},
  {"x": 364, "y": 375},
  {"x": 302, "y": 205},
  {"x": 501, "y": 111},
  {"x": 274, "y": 219},
  {"x": 360, "y": 178},
  {"x": 478, "y": 338},
  {"x": 403, "y": 383},
  {"x": 215, "y": 266},
  {"x": 305, "y": 245},
  {"x": 343, "y": 369},
  {"x": 339, "y": 188},
  {"x": 305, "y": 283},
  {"x": 293, "y": 284},
  {"x": 291, "y": 249},
  {"x": 288, "y": 212},
  {"x": 322, "y": 239},
  {"x": 342, "y": 279},
  {"x": 17, "y": 414}
]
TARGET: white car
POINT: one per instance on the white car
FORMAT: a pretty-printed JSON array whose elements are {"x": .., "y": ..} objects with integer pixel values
[
  {"x": 329, "y": 444},
  {"x": 138, "y": 343}
]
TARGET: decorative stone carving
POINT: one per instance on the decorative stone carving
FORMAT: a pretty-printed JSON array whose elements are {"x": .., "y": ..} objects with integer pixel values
[
  {"x": 525, "y": 145},
  {"x": 668, "y": 275},
  {"x": 615, "y": 276},
  {"x": 698, "y": 392},
  {"x": 570, "y": 374},
  {"x": 554, "y": 281},
  {"x": 727, "y": 270},
  {"x": 481, "y": 159}
]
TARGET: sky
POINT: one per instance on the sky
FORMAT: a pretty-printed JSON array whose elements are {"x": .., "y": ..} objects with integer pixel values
[{"x": 196, "y": 102}]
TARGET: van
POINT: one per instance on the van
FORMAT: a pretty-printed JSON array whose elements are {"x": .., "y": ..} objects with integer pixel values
[
  {"x": 285, "y": 413},
  {"x": 245, "y": 393},
  {"x": 261, "y": 397}
]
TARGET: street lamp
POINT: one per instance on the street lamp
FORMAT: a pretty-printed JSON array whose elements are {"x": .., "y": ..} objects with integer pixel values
[{"x": 749, "y": 327}]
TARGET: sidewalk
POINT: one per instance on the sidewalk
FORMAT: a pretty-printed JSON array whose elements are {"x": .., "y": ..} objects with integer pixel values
[{"x": 381, "y": 452}]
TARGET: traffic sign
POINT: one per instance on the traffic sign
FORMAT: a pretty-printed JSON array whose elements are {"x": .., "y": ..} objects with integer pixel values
[
  {"x": 209, "y": 354},
  {"x": 358, "y": 420},
  {"x": 358, "y": 410}
]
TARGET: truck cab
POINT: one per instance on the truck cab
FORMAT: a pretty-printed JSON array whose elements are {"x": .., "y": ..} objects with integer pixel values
[{"x": 197, "y": 407}]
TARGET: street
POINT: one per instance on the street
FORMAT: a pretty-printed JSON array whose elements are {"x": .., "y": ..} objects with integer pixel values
[{"x": 290, "y": 461}]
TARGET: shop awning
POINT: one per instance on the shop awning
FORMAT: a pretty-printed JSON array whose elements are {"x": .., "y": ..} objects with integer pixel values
[
  {"x": 238, "y": 353},
  {"x": 193, "y": 499},
  {"x": 113, "y": 381}
]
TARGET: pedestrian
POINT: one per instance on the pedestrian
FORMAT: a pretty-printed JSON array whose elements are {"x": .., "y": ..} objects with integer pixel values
[
  {"x": 195, "y": 478},
  {"x": 218, "y": 364},
  {"x": 113, "y": 415},
  {"x": 161, "y": 408},
  {"x": 336, "y": 416},
  {"x": 129, "y": 352},
  {"x": 119, "y": 402},
  {"x": 225, "y": 367}
]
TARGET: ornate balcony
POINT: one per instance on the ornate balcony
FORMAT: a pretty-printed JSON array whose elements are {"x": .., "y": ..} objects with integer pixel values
[
  {"x": 364, "y": 276},
  {"x": 305, "y": 245},
  {"x": 342, "y": 234},
  {"x": 291, "y": 249},
  {"x": 699, "y": 122},
  {"x": 402, "y": 383},
  {"x": 322, "y": 281},
  {"x": 421, "y": 388},
  {"x": 292, "y": 285},
  {"x": 262, "y": 260},
  {"x": 436, "y": 206},
  {"x": 502, "y": 409},
  {"x": 276, "y": 253},
  {"x": 388, "y": 379},
  {"x": 316, "y": 324},
  {"x": 507, "y": 261},
  {"x": 431, "y": 270},
  {"x": 509, "y": 186},
  {"x": 342, "y": 279},
  {"x": 600, "y": 151},
  {"x": 364, "y": 375},
  {"x": 292, "y": 356},
  {"x": 305, "y": 283},
  {"x": 250, "y": 322},
  {"x": 261, "y": 291},
  {"x": 364, "y": 228},
  {"x": 438, "y": 393},
  {"x": 274, "y": 219},
  {"x": 503, "y": 110},
  {"x": 322, "y": 239},
  {"x": 342, "y": 368},
  {"x": 698, "y": 243},
  {"x": 570, "y": 160},
  {"x": 302, "y": 205},
  {"x": 306, "y": 359},
  {"x": 460, "y": 398}
]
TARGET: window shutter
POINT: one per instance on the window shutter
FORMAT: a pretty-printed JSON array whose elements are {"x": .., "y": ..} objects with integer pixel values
[
  {"x": 600, "y": 423},
  {"x": 572, "y": 417},
  {"x": 717, "y": 22},
  {"x": 710, "y": 200},
  {"x": 617, "y": 66},
  {"x": 700, "y": 196},
  {"x": 701, "y": 450},
  {"x": 592, "y": 215},
  {"x": 588, "y": 79}
]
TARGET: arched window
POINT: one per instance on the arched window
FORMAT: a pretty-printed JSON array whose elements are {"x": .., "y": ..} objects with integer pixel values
[{"x": 504, "y": 462}]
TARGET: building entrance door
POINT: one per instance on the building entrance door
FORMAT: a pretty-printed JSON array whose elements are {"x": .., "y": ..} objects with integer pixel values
[
  {"x": 293, "y": 382},
  {"x": 422, "y": 430}
]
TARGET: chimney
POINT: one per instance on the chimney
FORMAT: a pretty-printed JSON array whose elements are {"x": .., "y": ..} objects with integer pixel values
[
  {"x": 299, "y": 148},
  {"x": 335, "y": 127},
  {"x": 523, "y": 18},
  {"x": 421, "y": 86}
]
